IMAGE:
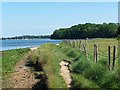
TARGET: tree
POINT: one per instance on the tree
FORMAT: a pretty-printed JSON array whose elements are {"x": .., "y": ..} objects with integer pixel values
[{"x": 87, "y": 30}]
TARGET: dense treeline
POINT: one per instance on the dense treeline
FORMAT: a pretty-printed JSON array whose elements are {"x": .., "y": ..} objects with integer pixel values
[
  {"x": 87, "y": 30},
  {"x": 27, "y": 37},
  {"x": 118, "y": 30}
]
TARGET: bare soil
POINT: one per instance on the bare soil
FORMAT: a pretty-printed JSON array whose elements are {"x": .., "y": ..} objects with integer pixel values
[
  {"x": 65, "y": 72},
  {"x": 23, "y": 77}
]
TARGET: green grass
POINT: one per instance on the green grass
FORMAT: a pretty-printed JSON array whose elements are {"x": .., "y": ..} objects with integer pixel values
[
  {"x": 49, "y": 55},
  {"x": 9, "y": 59},
  {"x": 97, "y": 73},
  {"x": 80, "y": 81}
]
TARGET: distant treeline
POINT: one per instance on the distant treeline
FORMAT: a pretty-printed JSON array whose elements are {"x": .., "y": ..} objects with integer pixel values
[
  {"x": 119, "y": 30},
  {"x": 87, "y": 30},
  {"x": 27, "y": 37}
]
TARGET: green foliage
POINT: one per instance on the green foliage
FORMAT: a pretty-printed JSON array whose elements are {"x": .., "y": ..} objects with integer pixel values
[
  {"x": 11, "y": 57},
  {"x": 71, "y": 53},
  {"x": 118, "y": 31},
  {"x": 111, "y": 80},
  {"x": 95, "y": 73},
  {"x": 87, "y": 30},
  {"x": 103, "y": 62},
  {"x": 80, "y": 66}
]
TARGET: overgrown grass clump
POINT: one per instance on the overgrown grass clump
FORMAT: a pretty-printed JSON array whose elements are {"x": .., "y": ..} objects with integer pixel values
[{"x": 49, "y": 56}]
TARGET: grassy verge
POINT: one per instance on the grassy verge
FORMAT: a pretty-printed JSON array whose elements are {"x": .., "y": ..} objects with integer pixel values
[
  {"x": 9, "y": 59},
  {"x": 49, "y": 56},
  {"x": 97, "y": 74}
]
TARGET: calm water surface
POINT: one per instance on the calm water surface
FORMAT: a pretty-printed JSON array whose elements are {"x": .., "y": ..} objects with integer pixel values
[{"x": 14, "y": 44}]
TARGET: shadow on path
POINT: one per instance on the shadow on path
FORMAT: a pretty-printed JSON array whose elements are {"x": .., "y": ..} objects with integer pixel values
[{"x": 39, "y": 74}]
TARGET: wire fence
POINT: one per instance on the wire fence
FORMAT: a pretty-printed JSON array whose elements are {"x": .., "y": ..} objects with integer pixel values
[{"x": 109, "y": 53}]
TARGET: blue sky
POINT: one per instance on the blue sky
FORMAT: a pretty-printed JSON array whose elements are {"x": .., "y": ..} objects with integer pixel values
[{"x": 40, "y": 18}]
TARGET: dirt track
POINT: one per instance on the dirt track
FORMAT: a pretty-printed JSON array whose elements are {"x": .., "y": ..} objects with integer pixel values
[{"x": 23, "y": 77}]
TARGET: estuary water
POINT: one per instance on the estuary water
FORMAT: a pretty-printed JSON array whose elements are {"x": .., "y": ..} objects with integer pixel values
[{"x": 15, "y": 44}]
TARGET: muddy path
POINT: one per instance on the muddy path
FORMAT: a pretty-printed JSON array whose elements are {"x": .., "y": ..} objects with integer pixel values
[{"x": 65, "y": 72}]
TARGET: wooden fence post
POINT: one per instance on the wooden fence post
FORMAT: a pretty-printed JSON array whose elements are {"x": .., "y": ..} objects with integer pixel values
[
  {"x": 73, "y": 43},
  {"x": 85, "y": 50},
  {"x": 114, "y": 56},
  {"x": 77, "y": 44},
  {"x": 109, "y": 58},
  {"x": 86, "y": 41},
  {"x": 95, "y": 53},
  {"x": 68, "y": 42},
  {"x": 86, "y": 45},
  {"x": 80, "y": 45}
]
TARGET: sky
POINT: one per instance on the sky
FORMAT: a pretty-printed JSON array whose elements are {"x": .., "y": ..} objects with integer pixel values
[{"x": 42, "y": 18}]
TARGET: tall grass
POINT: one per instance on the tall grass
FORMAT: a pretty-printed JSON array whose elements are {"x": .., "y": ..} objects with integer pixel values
[
  {"x": 97, "y": 73},
  {"x": 49, "y": 56}
]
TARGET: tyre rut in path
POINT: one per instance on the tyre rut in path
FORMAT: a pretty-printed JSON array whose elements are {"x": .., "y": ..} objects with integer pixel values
[
  {"x": 23, "y": 77},
  {"x": 65, "y": 72}
]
